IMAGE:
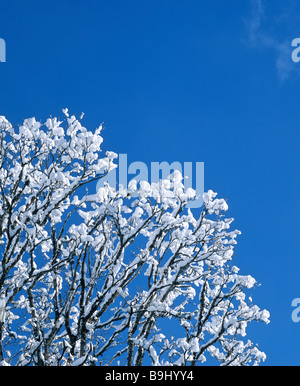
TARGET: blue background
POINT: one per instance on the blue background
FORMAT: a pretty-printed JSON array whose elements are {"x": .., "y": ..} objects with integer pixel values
[{"x": 198, "y": 80}]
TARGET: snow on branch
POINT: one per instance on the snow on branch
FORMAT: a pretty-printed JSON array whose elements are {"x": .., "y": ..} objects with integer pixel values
[{"x": 129, "y": 277}]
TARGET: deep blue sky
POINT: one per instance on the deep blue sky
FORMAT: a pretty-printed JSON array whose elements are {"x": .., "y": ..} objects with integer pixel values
[{"x": 198, "y": 80}]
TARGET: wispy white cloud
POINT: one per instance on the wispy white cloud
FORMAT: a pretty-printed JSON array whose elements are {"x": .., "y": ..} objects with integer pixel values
[
  {"x": 254, "y": 23},
  {"x": 284, "y": 64},
  {"x": 260, "y": 37}
]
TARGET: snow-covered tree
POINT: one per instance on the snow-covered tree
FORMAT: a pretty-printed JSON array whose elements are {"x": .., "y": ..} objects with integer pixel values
[{"x": 126, "y": 276}]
